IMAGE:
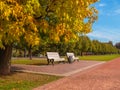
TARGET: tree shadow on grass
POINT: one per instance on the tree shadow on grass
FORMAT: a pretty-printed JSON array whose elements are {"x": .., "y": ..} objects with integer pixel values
[{"x": 15, "y": 68}]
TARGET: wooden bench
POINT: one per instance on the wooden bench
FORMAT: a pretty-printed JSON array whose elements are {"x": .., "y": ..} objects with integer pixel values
[
  {"x": 71, "y": 55},
  {"x": 53, "y": 57}
]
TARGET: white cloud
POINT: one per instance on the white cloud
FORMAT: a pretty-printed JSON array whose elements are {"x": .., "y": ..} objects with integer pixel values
[
  {"x": 102, "y": 5},
  {"x": 103, "y": 34},
  {"x": 117, "y": 11}
]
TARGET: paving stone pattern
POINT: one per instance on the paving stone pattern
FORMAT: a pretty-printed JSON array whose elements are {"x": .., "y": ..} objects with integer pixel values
[{"x": 101, "y": 77}]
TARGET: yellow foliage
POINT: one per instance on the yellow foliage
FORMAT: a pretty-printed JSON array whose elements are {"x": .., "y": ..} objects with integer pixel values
[
  {"x": 60, "y": 29},
  {"x": 67, "y": 18},
  {"x": 31, "y": 38},
  {"x": 44, "y": 25}
]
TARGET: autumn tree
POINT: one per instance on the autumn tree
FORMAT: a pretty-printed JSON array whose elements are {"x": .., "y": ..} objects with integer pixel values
[
  {"x": 16, "y": 22},
  {"x": 38, "y": 21}
]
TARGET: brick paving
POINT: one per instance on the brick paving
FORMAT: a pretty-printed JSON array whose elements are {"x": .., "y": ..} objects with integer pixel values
[
  {"x": 61, "y": 69},
  {"x": 102, "y": 77}
]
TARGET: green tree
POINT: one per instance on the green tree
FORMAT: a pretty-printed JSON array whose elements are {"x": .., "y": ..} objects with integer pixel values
[
  {"x": 85, "y": 44},
  {"x": 117, "y": 45}
]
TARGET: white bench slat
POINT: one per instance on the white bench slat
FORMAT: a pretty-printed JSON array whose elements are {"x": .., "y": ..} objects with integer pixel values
[
  {"x": 54, "y": 56},
  {"x": 72, "y": 54}
]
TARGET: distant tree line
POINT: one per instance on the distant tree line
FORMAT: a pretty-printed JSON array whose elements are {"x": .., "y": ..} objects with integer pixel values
[
  {"x": 83, "y": 46},
  {"x": 117, "y": 45}
]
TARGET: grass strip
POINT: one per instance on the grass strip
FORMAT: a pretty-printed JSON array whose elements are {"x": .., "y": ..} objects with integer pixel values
[
  {"x": 25, "y": 81},
  {"x": 100, "y": 57}
]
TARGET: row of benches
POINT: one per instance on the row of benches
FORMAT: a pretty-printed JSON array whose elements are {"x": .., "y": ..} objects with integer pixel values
[{"x": 54, "y": 56}]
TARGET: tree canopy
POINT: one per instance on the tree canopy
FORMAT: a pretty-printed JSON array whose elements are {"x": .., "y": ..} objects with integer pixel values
[
  {"x": 48, "y": 20},
  {"x": 17, "y": 21}
]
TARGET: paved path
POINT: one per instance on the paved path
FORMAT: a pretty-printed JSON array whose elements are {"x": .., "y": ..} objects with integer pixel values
[
  {"x": 60, "y": 69},
  {"x": 101, "y": 77}
]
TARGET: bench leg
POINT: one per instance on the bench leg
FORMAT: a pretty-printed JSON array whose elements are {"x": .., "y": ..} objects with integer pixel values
[
  {"x": 52, "y": 61},
  {"x": 48, "y": 61}
]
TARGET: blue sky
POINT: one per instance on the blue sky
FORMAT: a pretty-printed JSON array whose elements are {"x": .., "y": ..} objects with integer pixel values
[{"x": 107, "y": 27}]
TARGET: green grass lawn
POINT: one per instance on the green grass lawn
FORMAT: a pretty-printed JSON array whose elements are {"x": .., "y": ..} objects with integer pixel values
[
  {"x": 44, "y": 62},
  {"x": 24, "y": 81},
  {"x": 29, "y": 62},
  {"x": 100, "y": 57}
]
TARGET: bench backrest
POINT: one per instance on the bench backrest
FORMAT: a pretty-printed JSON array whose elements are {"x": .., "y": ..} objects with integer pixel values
[
  {"x": 52, "y": 55},
  {"x": 70, "y": 54}
]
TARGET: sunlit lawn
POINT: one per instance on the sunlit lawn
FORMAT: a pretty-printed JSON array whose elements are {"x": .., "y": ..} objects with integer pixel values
[
  {"x": 24, "y": 81},
  {"x": 44, "y": 62},
  {"x": 100, "y": 57},
  {"x": 29, "y": 62}
]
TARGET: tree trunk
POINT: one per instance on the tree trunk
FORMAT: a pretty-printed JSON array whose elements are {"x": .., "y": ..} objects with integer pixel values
[
  {"x": 24, "y": 52},
  {"x": 30, "y": 52},
  {"x": 5, "y": 60}
]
